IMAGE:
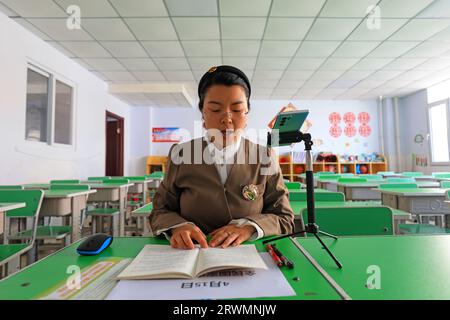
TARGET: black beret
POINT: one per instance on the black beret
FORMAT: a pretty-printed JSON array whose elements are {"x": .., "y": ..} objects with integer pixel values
[{"x": 207, "y": 76}]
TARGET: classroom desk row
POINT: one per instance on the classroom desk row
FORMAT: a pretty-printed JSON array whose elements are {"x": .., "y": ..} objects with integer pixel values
[
  {"x": 374, "y": 268},
  {"x": 298, "y": 207}
]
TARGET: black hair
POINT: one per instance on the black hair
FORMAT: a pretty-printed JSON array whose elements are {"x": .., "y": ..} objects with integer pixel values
[{"x": 222, "y": 78}]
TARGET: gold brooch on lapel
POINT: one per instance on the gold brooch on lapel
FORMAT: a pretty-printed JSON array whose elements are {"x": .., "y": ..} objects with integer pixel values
[{"x": 250, "y": 192}]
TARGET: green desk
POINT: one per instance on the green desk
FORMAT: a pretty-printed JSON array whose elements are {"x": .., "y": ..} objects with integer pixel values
[
  {"x": 63, "y": 203},
  {"x": 5, "y": 207},
  {"x": 364, "y": 190},
  {"x": 410, "y": 267},
  {"x": 420, "y": 228},
  {"x": 46, "y": 274},
  {"x": 398, "y": 215},
  {"x": 420, "y": 202},
  {"x": 112, "y": 192}
]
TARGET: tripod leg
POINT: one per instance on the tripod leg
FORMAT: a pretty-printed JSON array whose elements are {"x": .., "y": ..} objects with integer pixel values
[
  {"x": 329, "y": 252},
  {"x": 328, "y": 235}
]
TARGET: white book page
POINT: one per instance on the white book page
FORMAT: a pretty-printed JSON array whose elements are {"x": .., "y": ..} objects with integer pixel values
[
  {"x": 243, "y": 256},
  {"x": 160, "y": 261}
]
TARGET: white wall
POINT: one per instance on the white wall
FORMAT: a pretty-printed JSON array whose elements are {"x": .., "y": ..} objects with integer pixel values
[
  {"x": 262, "y": 112},
  {"x": 24, "y": 161},
  {"x": 414, "y": 120},
  {"x": 140, "y": 137}
]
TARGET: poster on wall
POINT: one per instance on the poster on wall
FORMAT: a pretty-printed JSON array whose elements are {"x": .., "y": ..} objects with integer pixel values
[{"x": 166, "y": 135}]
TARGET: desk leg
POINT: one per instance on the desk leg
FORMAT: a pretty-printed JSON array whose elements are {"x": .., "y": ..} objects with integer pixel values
[
  {"x": 144, "y": 193},
  {"x": 77, "y": 207},
  {"x": 122, "y": 210}
]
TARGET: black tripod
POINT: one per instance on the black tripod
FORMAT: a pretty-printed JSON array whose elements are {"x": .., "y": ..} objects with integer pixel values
[{"x": 311, "y": 226}]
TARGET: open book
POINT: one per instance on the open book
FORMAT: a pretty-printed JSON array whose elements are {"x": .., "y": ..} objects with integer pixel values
[{"x": 164, "y": 262}]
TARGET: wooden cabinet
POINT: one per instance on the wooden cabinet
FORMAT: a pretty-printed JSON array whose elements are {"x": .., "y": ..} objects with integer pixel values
[{"x": 156, "y": 163}]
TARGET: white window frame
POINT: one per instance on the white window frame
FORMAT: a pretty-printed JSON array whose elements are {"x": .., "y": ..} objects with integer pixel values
[
  {"x": 431, "y": 105},
  {"x": 52, "y": 78}
]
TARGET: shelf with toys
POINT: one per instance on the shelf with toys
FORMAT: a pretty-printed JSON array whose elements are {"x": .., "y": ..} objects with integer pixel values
[
  {"x": 294, "y": 163},
  {"x": 363, "y": 163}
]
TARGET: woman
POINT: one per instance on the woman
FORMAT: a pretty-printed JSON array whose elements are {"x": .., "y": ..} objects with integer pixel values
[{"x": 222, "y": 184}]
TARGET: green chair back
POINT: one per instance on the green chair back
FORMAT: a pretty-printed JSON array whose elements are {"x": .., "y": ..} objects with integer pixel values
[
  {"x": 98, "y": 178},
  {"x": 401, "y": 180},
  {"x": 354, "y": 221},
  {"x": 319, "y": 196},
  {"x": 447, "y": 194},
  {"x": 398, "y": 185},
  {"x": 135, "y": 178},
  {"x": 11, "y": 187},
  {"x": 293, "y": 185},
  {"x": 441, "y": 175},
  {"x": 31, "y": 198},
  {"x": 116, "y": 181},
  {"x": 371, "y": 176},
  {"x": 155, "y": 174},
  {"x": 412, "y": 174},
  {"x": 81, "y": 187},
  {"x": 330, "y": 177},
  {"x": 351, "y": 180},
  {"x": 445, "y": 184},
  {"x": 64, "y": 181}
]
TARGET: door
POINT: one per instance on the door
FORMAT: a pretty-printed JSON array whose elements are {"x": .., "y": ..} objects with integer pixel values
[{"x": 114, "y": 144}]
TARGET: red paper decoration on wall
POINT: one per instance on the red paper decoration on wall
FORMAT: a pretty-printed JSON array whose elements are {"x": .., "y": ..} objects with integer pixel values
[
  {"x": 365, "y": 130},
  {"x": 363, "y": 118},
  {"x": 334, "y": 118},
  {"x": 335, "y": 131},
  {"x": 349, "y": 118},
  {"x": 350, "y": 131}
]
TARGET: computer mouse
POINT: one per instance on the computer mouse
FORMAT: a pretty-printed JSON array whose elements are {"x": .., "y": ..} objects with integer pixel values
[{"x": 94, "y": 244}]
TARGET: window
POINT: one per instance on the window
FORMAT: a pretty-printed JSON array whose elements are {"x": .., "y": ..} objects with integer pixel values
[
  {"x": 439, "y": 92},
  {"x": 63, "y": 113},
  {"x": 49, "y": 111},
  {"x": 37, "y": 106},
  {"x": 438, "y": 117}
]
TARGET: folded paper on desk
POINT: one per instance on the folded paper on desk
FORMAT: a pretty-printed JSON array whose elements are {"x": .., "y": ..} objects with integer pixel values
[{"x": 164, "y": 262}]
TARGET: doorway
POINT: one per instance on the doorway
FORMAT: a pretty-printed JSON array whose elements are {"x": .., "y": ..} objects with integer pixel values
[{"x": 114, "y": 145}]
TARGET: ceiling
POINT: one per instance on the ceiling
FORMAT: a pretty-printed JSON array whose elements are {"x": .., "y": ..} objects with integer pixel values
[{"x": 290, "y": 49}]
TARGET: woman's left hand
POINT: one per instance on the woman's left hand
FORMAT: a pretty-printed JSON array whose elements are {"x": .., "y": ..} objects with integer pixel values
[{"x": 231, "y": 235}]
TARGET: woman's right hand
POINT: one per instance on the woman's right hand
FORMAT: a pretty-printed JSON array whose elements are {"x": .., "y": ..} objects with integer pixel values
[{"x": 182, "y": 237}]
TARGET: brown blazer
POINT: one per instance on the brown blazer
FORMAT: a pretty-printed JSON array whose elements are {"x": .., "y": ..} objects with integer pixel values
[{"x": 193, "y": 192}]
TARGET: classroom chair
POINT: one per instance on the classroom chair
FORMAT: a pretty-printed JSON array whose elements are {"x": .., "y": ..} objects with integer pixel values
[
  {"x": 441, "y": 175},
  {"x": 319, "y": 196},
  {"x": 293, "y": 185},
  {"x": 422, "y": 228},
  {"x": 47, "y": 231},
  {"x": 400, "y": 180},
  {"x": 412, "y": 174},
  {"x": 10, "y": 253},
  {"x": 398, "y": 185},
  {"x": 64, "y": 181},
  {"x": 11, "y": 187},
  {"x": 371, "y": 176},
  {"x": 98, "y": 178},
  {"x": 352, "y": 180},
  {"x": 445, "y": 184},
  {"x": 354, "y": 221},
  {"x": 108, "y": 212}
]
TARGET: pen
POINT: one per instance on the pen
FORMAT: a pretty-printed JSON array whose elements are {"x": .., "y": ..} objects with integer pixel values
[
  {"x": 283, "y": 258},
  {"x": 274, "y": 256}
]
